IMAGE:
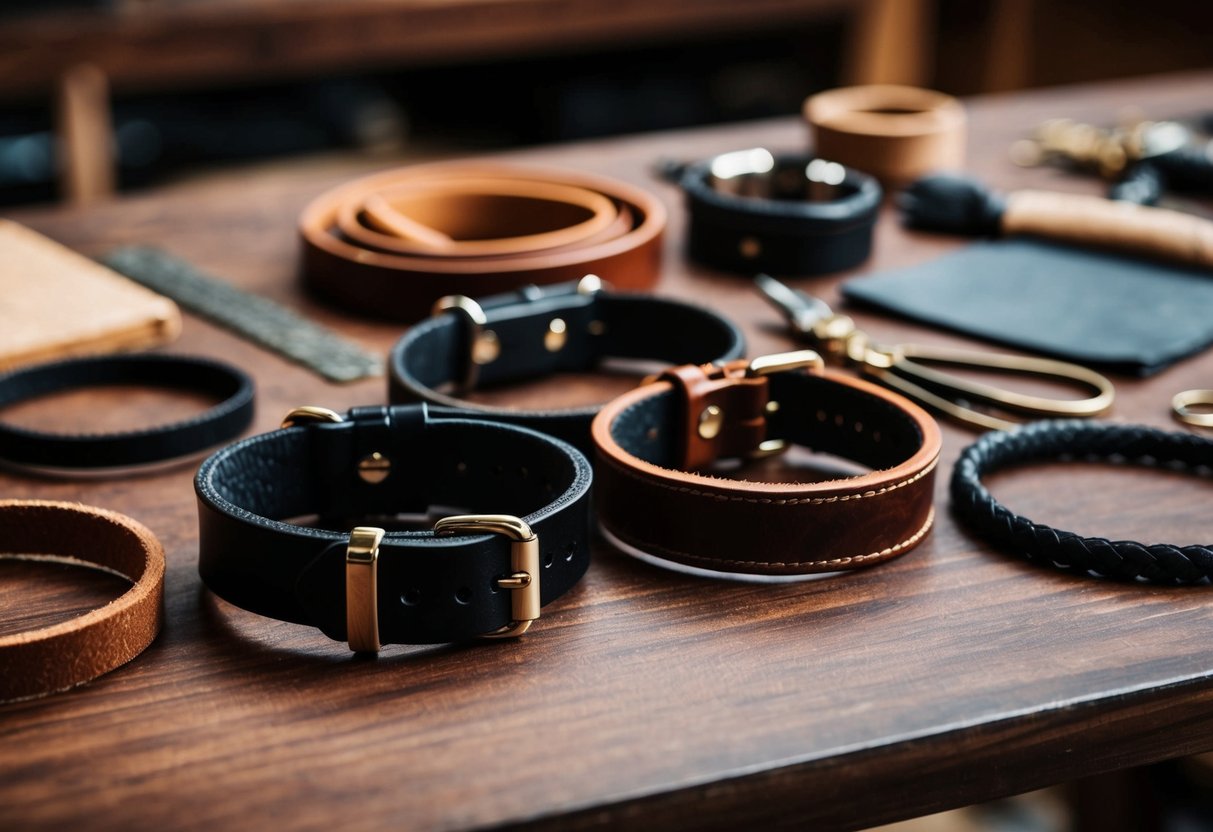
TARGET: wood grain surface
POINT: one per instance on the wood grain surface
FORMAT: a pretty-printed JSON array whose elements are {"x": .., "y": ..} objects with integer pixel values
[{"x": 642, "y": 698}]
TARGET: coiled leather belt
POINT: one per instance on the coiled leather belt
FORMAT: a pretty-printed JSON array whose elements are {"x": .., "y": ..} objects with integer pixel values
[{"x": 391, "y": 244}]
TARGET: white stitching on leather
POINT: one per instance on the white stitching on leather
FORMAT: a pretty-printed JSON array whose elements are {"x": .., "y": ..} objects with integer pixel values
[
  {"x": 792, "y": 501},
  {"x": 887, "y": 552}
]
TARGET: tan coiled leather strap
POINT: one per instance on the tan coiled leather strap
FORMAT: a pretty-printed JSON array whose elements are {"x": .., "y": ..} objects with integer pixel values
[
  {"x": 391, "y": 244},
  {"x": 50, "y": 659}
]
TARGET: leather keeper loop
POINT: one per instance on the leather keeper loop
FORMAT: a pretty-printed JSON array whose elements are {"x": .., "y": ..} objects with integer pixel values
[
  {"x": 650, "y": 504},
  {"x": 391, "y": 244},
  {"x": 50, "y": 659}
]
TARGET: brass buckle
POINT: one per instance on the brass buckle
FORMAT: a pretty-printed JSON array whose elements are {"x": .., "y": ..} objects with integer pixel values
[
  {"x": 484, "y": 347},
  {"x": 780, "y": 362},
  {"x": 523, "y": 580},
  {"x": 308, "y": 414}
]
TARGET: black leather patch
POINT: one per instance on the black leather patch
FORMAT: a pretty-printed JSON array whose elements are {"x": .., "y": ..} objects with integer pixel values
[{"x": 1099, "y": 309}]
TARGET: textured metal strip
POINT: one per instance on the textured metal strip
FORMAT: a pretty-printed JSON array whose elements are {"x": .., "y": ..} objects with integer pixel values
[{"x": 256, "y": 318}]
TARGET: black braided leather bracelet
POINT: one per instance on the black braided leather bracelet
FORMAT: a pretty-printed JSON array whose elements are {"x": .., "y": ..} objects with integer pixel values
[{"x": 1119, "y": 559}]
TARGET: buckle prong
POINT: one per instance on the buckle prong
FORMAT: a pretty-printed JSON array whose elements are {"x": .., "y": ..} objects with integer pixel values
[{"x": 781, "y": 362}]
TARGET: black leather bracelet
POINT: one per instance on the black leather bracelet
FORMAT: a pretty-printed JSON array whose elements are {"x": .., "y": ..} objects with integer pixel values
[
  {"x": 1121, "y": 559},
  {"x": 570, "y": 327},
  {"x": 470, "y": 576},
  {"x": 93, "y": 451},
  {"x": 753, "y": 212}
]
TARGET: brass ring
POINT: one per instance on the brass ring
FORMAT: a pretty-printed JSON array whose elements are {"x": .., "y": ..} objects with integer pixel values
[{"x": 1181, "y": 407}]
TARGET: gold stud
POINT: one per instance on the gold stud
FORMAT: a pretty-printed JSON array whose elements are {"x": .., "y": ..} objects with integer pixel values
[
  {"x": 710, "y": 422},
  {"x": 374, "y": 468},
  {"x": 556, "y": 336}
]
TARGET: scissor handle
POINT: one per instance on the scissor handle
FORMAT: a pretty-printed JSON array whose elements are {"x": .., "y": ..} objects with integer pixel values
[{"x": 905, "y": 368}]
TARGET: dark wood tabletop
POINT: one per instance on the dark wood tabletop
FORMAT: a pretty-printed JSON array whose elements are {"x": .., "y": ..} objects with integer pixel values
[{"x": 952, "y": 675}]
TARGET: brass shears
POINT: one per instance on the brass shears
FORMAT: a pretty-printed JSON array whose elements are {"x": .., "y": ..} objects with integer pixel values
[{"x": 911, "y": 370}]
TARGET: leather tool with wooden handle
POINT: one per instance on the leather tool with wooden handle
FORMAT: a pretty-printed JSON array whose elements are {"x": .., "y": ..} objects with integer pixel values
[{"x": 959, "y": 205}]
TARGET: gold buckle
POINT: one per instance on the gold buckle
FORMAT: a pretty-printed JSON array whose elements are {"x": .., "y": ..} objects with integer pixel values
[
  {"x": 483, "y": 345},
  {"x": 308, "y": 414},
  {"x": 362, "y": 589},
  {"x": 780, "y": 362},
  {"x": 523, "y": 580}
]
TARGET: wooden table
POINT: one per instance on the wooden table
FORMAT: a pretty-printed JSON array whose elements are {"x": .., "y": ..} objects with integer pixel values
[{"x": 644, "y": 697}]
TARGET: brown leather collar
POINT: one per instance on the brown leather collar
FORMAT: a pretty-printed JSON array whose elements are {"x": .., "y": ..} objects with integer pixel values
[
  {"x": 50, "y": 659},
  {"x": 391, "y": 244},
  {"x": 650, "y": 500}
]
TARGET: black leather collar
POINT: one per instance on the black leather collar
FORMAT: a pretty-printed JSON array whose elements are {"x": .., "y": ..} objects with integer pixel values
[
  {"x": 773, "y": 221},
  {"x": 594, "y": 325},
  {"x": 431, "y": 588},
  {"x": 95, "y": 451}
]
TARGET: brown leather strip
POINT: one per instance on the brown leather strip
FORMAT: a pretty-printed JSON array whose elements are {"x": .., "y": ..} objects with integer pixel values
[
  {"x": 768, "y": 528},
  {"x": 896, "y": 133},
  {"x": 378, "y": 245},
  {"x": 55, "y": 658}
]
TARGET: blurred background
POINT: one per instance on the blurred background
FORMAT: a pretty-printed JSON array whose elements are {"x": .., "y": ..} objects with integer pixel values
[{"x": 100, "y": 96}]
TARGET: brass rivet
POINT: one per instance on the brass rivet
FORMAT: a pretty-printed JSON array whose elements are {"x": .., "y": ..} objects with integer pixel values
[
  {"x": 486, "y": 348},
  {"x": 710, "y": 421},
  {"x": 556, "y": 335},
  {"x": 374, "y": 468},
  {"x": 772, "y": 406},
  {"x": 749, "y": 247}
]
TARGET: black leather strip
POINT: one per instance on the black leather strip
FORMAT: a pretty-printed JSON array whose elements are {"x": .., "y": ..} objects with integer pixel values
[
  {"x": 1124, "y": 560},
  {"x": 601, "y": 325},
  {"x": 784, "y": 233},
  {"x": 220, "y": 423},
  {"x": 431, "y": 589}
]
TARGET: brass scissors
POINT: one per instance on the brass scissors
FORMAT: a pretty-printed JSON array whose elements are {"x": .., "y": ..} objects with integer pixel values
[{"x": 906, "y": 367}]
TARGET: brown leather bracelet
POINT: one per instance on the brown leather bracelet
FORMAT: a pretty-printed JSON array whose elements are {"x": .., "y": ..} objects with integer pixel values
[
  {"x": 652, "y": 502},
  {"x": 50, "y": 659},
  {"x": 896, "y": 133},
  {"x": 391, "y": 244}
]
